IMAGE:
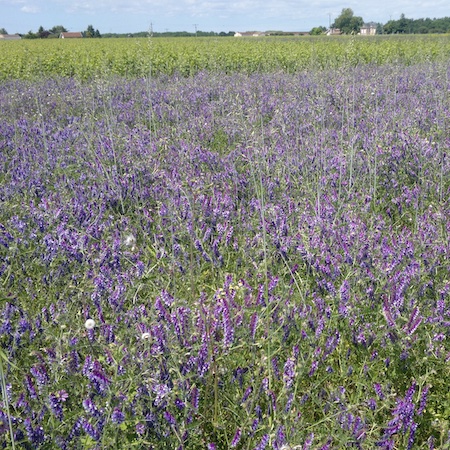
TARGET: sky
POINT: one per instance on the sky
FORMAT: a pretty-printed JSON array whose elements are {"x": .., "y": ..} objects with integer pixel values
[{"x": 130, "y": 16}]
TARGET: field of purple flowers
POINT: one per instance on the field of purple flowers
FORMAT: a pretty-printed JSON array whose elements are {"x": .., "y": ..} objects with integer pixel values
[{"x": 226, "y": 261}]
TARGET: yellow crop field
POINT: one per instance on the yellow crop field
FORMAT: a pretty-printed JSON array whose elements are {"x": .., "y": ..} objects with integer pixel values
[{"x": 87, "y": 58}]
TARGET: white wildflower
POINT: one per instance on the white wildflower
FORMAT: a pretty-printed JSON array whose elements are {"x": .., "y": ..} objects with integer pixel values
[
  {"x": 89, "y": 324},
  {"x": 145, "y": 336},
  {"x": 130, "y": 241}
]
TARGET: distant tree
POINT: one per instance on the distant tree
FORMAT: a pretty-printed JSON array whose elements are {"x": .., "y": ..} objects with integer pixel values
[
  {"x": 97, "y": 34},
  {"x": 90, "y": 32},
  {"x": 316, "y": 31},
  {"x": 347, "y": 22},
  {"x": 379, "y": 28},
  {"x": 58, "y": 29},
  {"x": 43, "y": 33},
  {"x": 3, "y": 31},
  {"x": 31, "y": 35},
  {"x": 404, "y": 25}
]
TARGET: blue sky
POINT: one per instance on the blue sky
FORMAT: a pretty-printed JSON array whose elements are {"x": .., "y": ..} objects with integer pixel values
[{"x": 122, "y": 16}]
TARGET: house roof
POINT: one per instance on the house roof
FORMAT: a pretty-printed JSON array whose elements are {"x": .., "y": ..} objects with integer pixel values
[
  {"x": 9, "y": 37},
  {"x": 249, "y": 33},
  {"x": 73, "y": 34}
]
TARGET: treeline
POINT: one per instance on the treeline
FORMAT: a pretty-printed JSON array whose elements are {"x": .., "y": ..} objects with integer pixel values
[
  {"x": 55, "y": 32},
  {"x": 417, "y": 26},
  {"x": 348, "y": 23},
  {"x": 169, "y": 34},
  {"x": 90, "y": 32}
]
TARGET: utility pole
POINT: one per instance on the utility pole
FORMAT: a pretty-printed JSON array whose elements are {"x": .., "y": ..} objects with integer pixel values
[{"x": 195, "y": 26}]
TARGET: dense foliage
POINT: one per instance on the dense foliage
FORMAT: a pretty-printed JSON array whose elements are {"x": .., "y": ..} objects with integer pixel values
[
  {"x": 227, "y": 260},
  {"x": 90, "y": 58},
  {"x": 347, "y": 22},
  {"x": 420, "y": 26}
]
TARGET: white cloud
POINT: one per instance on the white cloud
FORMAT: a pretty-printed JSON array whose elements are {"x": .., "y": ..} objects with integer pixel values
[{"x": 30, "y": 9}]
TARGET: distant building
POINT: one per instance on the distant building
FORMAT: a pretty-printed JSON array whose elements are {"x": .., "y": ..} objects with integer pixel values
[
  {"x": 333, "y": 32},
  {"x": 249, "y": 33},
  {"x": 287, "y": 33},
  {"x": 9, "y": 37},
  {"x": 368, "y": 29},
  {"x": 71, "y": 35}
]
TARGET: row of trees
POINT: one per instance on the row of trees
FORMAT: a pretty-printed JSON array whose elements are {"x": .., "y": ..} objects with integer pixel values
[
  {"x": 418, "y": 26},
  {"x": 348, "y": 23},
  {"x": 198, "y": 33},
  {"x": 55, "y": 31},
  {"x": 90, "y": 32}
]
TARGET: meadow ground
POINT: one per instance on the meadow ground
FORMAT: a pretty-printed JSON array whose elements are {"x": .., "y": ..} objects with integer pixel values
[{"x": 213, "y": 259}]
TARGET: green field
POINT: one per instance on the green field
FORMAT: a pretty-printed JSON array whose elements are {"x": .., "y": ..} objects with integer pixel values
[{"x": 87, "y": 58}]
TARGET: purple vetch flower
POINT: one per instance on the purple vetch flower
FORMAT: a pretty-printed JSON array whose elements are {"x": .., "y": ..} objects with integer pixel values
[
  {"x": 203, "y": 361},
  {"x": 378, "y": 390},
  {"x": 195, "y": 394},
  {"x": 412, "y": 435},
  {"x": 258, "y": 411},
  {"x": 229, "y": 235},
  {"x": 254, "y": 426},
  {"x": 228, "y": 329},
  {"x": 289, "y": 402},
  {"x": 179, "y": 404},
  {"x": 414, "y": 321},
  {"x": 40, "y": 374},
  {"x": 308, "y": 442},
  {"x": 273, "y": 398},
  {"x": 262, "y": 443},
  {"x": 161, "y": 391},
  {"x": 212, "y": 446},
  {"x": 372, "y": 404},
  {"x": 344, "y": 291},
  {"x": 91, "y": 408},
  {"x": 74, "y": 361},
  {"x": 30, "y": 387},
  {"x": 94, "y": 371},
  {"x": 89, "y": 429},
  {"x": 246, "y": 395},
  {"x": 276, "y": 370},
  {"x": 327, "y": 446},
  {"x": 108, "y": 333},
  {"x": 236, "y": 438},
  {"x": 402, "y": 421},
  {"x": 280, "y": 438},
  {"x": 117, "y": 416},
  {"x": 272, "y": 284},
  {"x": 140, "y": 428},
  {"x": 289, "y": 373},
  {"x": 36, "y": 435},
  {"x": 423, "y": 400},
  {"x": 22, "y": 403},
  {"x": 387, "y": 313},
  {"x": 314, "y": 367},
  {"x": 161, "y": 308},
  {"x": 169, "y": 418},
  {"x": 87, "y": 366},
  {"x": 55, "y": 403},
  {"x": 253, "y": 324},
  {"x": 76, "y": 428},
  {"x": 265, "y": 384}
]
